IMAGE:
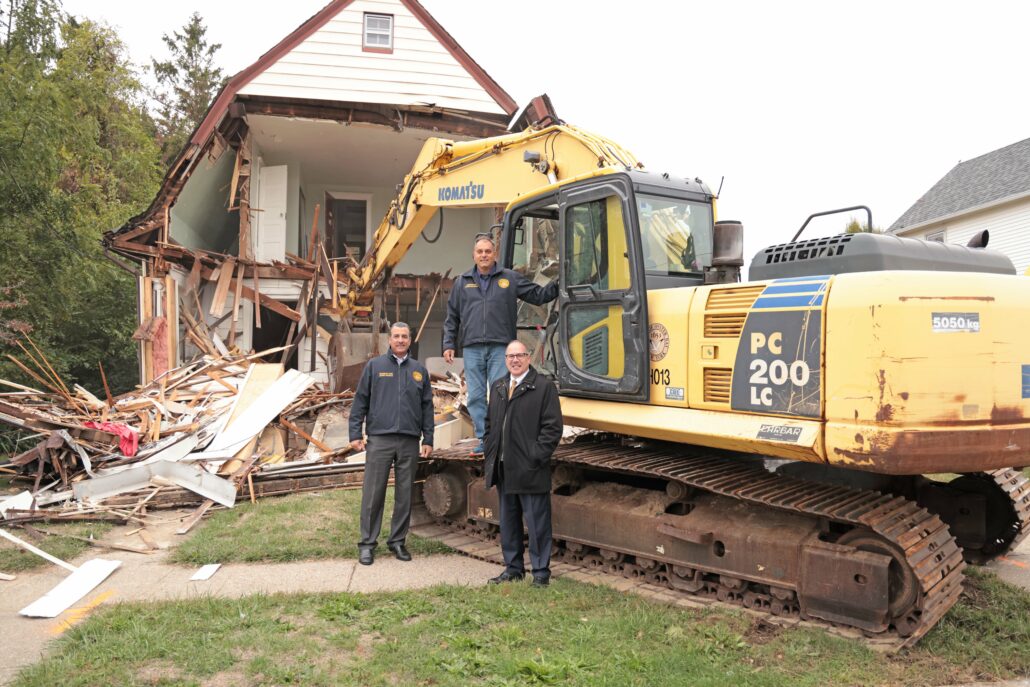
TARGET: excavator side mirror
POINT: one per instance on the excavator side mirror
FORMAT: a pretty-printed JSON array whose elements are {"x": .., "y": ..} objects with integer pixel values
[{"x": 520, "y": 235}]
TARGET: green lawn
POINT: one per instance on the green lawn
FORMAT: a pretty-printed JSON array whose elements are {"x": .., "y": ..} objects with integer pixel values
[
  {"x": 569, "y": 634},
  {"x": 304, "y": 526},
  {"x": 15, "y": 559}
]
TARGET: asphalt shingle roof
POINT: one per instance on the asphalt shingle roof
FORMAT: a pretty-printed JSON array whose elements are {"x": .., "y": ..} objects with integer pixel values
[{"x": 992, "y": 176}]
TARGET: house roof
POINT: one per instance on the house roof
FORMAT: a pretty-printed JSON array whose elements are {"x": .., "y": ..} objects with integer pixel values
[
  {"x": 317, "y": 21},
  {"x": 984, "y": 180},
  {"x": 180, "y": 169}
]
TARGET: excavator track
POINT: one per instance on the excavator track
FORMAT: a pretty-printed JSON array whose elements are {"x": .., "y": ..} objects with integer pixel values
[
  {"x": 848, "y": 545},
  {"x": 1016, "y": 487},
  {"x": 988, "y": 512}
]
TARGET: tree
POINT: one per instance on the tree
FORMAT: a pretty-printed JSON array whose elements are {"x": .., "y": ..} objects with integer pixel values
[
  {"x": 77, "y": 158},
  {"x": 854, "y": 227},
  {"x": 189, "y": 81}
]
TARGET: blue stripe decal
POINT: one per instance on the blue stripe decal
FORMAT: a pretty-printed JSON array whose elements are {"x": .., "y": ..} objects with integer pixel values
[
  {"x": 787, "y": 280},
  {"x": 1026, "y": 381},
  {"x": 806, "y": 301},
  {"x": 793, "y": 288}
]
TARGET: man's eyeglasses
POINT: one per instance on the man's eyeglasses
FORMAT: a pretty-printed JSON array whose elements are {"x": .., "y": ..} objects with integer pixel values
[{"x": 516, "y": 356}]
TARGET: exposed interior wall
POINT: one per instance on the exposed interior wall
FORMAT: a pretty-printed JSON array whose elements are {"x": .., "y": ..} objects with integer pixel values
[
  {"x": 294, "y": 177},
  {"x": 200, "y": 217}
]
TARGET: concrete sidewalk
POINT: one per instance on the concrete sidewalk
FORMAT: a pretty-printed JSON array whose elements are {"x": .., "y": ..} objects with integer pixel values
[{"x": 151, "y": 578}]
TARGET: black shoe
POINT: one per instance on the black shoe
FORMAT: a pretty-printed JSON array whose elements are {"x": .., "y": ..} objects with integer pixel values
[
  {"x": 541, "y": 582},
  {"x": 506, "y": 577},
  {"x": 366, "y": 556},
  {"x": 400, "y": 552}
]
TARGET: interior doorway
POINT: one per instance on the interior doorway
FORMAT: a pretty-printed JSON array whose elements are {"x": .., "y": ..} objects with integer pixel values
[
  {"x": 272, "y": 334},
  {"x": 347, "y": 225}
]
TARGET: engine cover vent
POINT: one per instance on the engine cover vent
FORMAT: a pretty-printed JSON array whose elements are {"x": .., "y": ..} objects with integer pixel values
[
  {"x": 717, "y": 384},
  {"x": 733, "y": 299},
  {"x": 724, "y": 325}
]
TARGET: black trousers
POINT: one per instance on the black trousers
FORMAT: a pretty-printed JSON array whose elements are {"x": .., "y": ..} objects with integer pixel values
[
  {"x": 382, "y": 452},
  {"x": 536, "y": 509}
]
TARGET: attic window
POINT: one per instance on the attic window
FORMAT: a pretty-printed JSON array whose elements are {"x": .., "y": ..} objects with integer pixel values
[
  {"x": 378, "y": 34},
  {"x": 936, "y": 236}
]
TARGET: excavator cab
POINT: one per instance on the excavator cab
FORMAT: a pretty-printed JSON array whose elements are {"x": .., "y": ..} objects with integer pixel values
[{"x": 607, "y": 239}]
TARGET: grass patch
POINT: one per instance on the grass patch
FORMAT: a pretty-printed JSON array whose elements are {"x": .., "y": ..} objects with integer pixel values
[
  {"x": 989, "y": 628},
  {"x": 569, "y": 634},
  {"x": 15, "y": 559},
  {"x": 299, "y": 527}
]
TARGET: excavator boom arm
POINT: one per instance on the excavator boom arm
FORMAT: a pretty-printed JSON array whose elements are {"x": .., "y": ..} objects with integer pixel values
[{"x": 479, "y": 173}]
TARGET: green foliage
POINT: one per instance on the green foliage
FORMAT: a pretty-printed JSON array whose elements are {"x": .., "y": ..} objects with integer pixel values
[
  {"x": 77, "y": 158},
  {"x": 855, "y": 227},
  {"x": 189, "y": 81}
]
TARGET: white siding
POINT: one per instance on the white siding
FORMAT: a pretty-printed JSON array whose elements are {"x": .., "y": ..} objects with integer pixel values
[
  {"x": 331, "y": 65},
  {"x": 1009, "y": 226}
]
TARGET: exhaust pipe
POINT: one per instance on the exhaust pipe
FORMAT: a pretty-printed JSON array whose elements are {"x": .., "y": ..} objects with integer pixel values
[{"x": 979, "y": 239}]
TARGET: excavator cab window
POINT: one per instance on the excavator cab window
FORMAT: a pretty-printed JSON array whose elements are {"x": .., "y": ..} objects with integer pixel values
[{"x": 675, "y": 235}]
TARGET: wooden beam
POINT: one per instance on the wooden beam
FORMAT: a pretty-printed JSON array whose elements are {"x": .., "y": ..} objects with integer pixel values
[
  {"x": 236, "y": 304},
  {"x": 314, "y": 235},
  {"x": 223, "y": 286},
  {"x": 261, "y": 299}
]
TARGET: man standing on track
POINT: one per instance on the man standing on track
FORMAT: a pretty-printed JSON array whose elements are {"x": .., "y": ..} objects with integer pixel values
[{"x": 481, "y": 317}]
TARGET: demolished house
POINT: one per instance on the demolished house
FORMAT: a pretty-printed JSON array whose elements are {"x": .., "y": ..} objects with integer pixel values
[
  {"x": 245, "y": 259},
  {"x": 280, "y": 188}
]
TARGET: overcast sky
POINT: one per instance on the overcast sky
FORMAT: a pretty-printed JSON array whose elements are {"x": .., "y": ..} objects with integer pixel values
[{"x": 801, "y": 106}]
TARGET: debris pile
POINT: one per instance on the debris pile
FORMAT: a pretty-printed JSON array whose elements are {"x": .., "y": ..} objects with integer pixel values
[{"x": 205, "y": 433}]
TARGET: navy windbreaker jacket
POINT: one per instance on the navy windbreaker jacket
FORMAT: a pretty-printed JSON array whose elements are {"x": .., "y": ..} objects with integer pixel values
[
  {"x": 393, "y": 399},
  {"x": 474, "y": 317}
]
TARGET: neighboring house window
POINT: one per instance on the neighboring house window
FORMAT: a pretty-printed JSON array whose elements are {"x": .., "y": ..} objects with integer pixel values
[
  {"x": 936, "y": 236},
  {"x": 378, "y": 34}
]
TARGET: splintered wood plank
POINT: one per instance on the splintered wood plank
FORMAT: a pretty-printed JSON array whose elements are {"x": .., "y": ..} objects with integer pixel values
[
  {"x": 257, "y": 306},
  {"x": 260, "y": 299},
  {"x": 259, "y": 379},
  {"x": 236, "y": 304},
  {"x": 222, "y": 288}
]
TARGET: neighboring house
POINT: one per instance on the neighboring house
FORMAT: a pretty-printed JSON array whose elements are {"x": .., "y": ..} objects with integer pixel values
[
  {"x": 988, "y": 192},
  {"x": 333, "y": 116}
]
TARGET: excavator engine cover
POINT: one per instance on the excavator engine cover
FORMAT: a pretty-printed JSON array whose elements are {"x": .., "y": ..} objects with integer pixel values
[{"x": 866, "y": 252}]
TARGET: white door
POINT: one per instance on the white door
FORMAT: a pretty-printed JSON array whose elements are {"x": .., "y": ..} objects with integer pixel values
[{"x": 271, "y": 233}]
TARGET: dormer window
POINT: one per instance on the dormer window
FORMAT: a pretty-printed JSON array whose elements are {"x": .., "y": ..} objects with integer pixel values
[{"x": 378, "y": 33}]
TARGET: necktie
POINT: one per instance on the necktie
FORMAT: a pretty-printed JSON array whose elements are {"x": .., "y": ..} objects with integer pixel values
[{"x": 511, "y": 389}]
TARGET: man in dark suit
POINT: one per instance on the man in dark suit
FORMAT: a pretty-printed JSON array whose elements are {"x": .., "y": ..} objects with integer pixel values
[
  {"x": 394, "y": 400},
  {"x": 523, "y": 427}
]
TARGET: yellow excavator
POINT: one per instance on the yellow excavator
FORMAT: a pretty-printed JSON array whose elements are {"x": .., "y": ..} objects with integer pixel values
[{"x": 828, "y": 440}]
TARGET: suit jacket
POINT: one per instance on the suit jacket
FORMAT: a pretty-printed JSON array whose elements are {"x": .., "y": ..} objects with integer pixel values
[{"x": 524, "y": 431}]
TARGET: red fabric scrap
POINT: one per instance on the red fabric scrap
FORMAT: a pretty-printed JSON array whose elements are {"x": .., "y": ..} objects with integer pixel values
[{"x": 128, "y": 441}]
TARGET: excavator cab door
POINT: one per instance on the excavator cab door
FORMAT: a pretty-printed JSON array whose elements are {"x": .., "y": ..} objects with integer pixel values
[{"x": 602, "y": 301}]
